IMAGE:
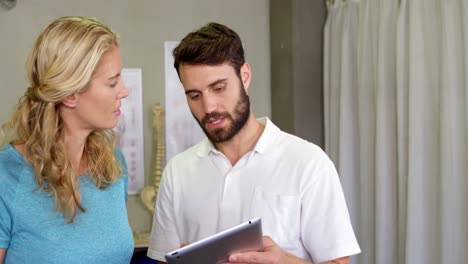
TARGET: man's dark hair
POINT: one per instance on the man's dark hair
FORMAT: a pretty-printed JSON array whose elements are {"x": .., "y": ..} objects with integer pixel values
[{"x": 212, "y": 44}]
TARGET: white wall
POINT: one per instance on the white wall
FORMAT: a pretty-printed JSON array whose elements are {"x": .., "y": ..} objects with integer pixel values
[{"x": 143, "y": 26}]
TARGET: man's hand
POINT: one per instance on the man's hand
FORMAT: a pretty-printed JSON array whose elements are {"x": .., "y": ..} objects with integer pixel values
[
  {"x": 184, "y": 244},
  {"x": 343, "y": 260},
  {"x": 271, "y": 254}
]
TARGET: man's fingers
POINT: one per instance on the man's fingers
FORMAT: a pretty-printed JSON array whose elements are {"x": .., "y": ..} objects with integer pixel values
[
  {"x": 268, "y": 242},
  {"x": 251, "y": 257},
  {"x": 184, "y": 244}
]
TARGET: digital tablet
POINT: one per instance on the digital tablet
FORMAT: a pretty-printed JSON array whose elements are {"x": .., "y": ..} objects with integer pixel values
[{"x": 217, "y": 248}]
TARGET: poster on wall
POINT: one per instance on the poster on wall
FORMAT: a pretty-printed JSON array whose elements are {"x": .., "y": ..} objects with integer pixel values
[
  {"x": 129, "y": 129},
  {"x": 182, "y": 131}
]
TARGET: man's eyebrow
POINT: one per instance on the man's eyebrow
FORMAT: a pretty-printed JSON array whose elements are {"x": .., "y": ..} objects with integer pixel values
[
  {"x": 217, "y": 82},
  {"x": 191, "y": 91},
  {"x": 211, "y": 85}
]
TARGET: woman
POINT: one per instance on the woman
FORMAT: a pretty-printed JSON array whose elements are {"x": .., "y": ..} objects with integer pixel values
[{"x": 62, "y": 182}]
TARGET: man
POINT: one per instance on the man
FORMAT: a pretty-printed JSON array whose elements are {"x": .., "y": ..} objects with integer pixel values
[{"x": 246, "y": 168}]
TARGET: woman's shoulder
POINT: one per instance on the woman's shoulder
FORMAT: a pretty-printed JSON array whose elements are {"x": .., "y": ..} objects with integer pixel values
[
  {"x": 121, "y": 159},
  {"x": 12, "y": 168},
  {"x": 12, "y": 156},
  {"x": 118, "y": 153}
]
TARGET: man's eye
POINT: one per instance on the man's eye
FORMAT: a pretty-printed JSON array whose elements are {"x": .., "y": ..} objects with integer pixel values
[
  {"x": 194, "y": 97},
  {"x": 219, "y": 89}
]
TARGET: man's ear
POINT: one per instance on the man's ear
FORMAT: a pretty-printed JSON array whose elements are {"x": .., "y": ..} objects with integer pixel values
[
  {"x": 246, "y": 75},
  {"x": 70, "y": 101}
]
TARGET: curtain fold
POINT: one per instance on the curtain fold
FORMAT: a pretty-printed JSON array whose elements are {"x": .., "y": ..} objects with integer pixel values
[
  {"x": 396, "y": 122},
  {"x": 452, "y": 128}
]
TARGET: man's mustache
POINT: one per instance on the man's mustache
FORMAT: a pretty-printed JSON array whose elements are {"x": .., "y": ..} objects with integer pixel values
[{"x": 214, "y": 115}]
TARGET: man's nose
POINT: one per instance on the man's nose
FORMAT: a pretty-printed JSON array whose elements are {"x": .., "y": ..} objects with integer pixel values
[{"x": 209, "y": 103}]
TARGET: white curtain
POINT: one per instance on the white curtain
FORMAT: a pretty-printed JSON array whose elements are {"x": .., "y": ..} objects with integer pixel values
[{"x": 396, "y": 122}]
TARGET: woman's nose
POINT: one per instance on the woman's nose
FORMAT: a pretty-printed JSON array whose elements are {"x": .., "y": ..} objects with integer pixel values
[{"x": 124, "y": 92}]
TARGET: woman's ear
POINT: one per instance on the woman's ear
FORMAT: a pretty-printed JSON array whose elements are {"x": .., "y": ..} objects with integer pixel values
[
  {"x": 70, "y": 101},
  {"x": 246, "y": 75}
]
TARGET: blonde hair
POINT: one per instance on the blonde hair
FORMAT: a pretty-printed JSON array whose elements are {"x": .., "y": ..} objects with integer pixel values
[{"x": 62, "y": 63}]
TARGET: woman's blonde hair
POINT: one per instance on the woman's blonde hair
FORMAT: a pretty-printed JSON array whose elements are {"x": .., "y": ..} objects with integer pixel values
[{"x": 62, "y": 63}]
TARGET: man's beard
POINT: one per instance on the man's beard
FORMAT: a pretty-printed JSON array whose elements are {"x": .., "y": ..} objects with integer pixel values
[{"x": 241, "y": 115}]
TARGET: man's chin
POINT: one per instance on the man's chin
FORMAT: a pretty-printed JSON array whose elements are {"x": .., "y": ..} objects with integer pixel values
[{"x": 216, "y": 136}]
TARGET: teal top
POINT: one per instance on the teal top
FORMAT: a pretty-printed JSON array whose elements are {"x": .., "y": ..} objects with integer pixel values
[{"x": 33, "y": 231}]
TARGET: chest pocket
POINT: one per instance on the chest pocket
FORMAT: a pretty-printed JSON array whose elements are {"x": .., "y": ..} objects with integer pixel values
[{"x": 280, "y": 217}]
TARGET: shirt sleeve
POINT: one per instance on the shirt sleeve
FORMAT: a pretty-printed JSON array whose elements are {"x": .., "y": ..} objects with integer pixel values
[
  {"x": 5, "y": 225},
  {"x": 7, "y": 197},
  {"x": 164, "y": 236},
  {"x": 328, "y": 233}
]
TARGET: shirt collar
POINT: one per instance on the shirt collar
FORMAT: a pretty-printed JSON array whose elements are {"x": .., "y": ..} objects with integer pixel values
[
  {"x": 268, "y": 136},
  {"x": 265, "y": 140}
]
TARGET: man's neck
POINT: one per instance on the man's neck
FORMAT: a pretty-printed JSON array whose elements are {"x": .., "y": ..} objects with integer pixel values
[{"x": 243, "y": 142}]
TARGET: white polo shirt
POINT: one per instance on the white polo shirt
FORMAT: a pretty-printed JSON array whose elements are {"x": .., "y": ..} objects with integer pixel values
[{"x": 288, "y": 182}]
